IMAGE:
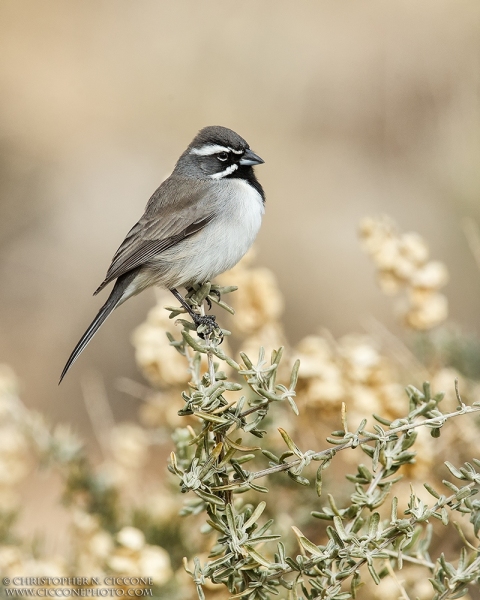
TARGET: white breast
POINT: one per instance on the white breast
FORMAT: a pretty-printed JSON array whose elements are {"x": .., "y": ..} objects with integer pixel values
[
  {"x": 223, "y": 242},
  {"x": 231, "y": 234}
]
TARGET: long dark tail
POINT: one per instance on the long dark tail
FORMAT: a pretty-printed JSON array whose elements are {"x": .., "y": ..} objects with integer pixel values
[{"x": 115, "y": 298}]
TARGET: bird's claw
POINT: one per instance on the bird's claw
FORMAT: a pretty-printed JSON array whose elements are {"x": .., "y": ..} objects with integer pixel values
[
  {"x": 215, "y": 293},
  {"x": 207, "y": 325}
]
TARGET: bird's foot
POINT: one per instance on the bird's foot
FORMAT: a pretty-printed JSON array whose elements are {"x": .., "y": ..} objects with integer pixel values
[
  {"x": 216, "y": 293},
  {"x": 206, "y": 326}
]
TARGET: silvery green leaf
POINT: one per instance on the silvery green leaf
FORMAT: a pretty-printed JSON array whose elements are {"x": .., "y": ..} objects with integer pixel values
[
  {"x": 209, "y": 417},
  {"x": 454, "y": 471},
  {"x": 290, "y": 443},
  {"x": 271, "y": 456},
  {"x": 450, "y": 485},
  {"x": 233, "y": 387},
  {"x": 193, "y": 343},
  {"x": 266, "y": 394},
  {"x": 444, "y": 515},
  {"x": 185, "y": 324},
  {"x": 210, "y": 498},
  {"x": 447, "y": 567},
  {"x": 221, "y": 354},
  {"x": 393, "y": 514},
  {"x": 277, "y": 355},
  {"x": 431, "y": 491},
  {"x": 264, "y": 528},
  {"x": 460, "y": 593},
  {"x": 294, "y": 374},
  {"x": 373, "y": 525},
  {"x": 306, "y": 543},
  {"x": 320, "y": 515},
  {"x": 255, "y": 515},
  {"x": 240, "y": 460},
  {"x": 337, "y": 521},
  {"x": 226, "y": 459},
  {"x": 374, "y": 574},
  {"x": 257, "y": 557},
  {"x": 338, "y": 442},
  {"x": 220, "y": 561},
  {"x": 368, "y": 450},
  {"x": 463, "y": 493},
  {"x": 298, "y": 479},
  {"x": 375, "y": 457},
  {"x": 237, "y": 445},
  {"x": 381, "y": 420},
  {"x": 218, "y": 525},
  {"x": 293, "y": 405},
  {"x": 223, "y": 305},
  {"x": 437, "y": 585},
  {"x": 292, "y": 563},
  {"x": 262, "y": 539},
  {"x": 258, "y": 488},
  {"x": 247, "y": 362},
  {"x": 241, "y": 594},
  {"x": 318, "y": 481},
  {"x": 333, "y": 506}
]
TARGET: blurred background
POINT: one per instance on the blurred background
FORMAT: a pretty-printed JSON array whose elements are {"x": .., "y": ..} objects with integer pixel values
[{"x": 357, "y": 108}]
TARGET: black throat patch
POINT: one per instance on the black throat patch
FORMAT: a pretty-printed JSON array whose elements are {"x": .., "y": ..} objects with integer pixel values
[{"x": 247, "y": 174}]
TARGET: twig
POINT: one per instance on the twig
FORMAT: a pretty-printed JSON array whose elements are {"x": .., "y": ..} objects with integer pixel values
[
  {"x": 369, "y": 438},
  {"x": 412, "y": 559},
  {"x": 211, "y": 368},
  {"x": 381, "y": 547}
]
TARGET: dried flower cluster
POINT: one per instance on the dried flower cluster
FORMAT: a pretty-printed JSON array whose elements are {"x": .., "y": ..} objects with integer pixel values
[
  {"x": 258, "y": 306},
  {"x": 124, "y": 554},
  {"x": 403, "y": 264},
  {"x": 159, "y": 361},
  {"x": 101, "y": 544},
  {"x": 351, "y": 370}
]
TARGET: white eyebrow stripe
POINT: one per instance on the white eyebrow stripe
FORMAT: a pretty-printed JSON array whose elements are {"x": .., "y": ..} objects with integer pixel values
[
  {"x": 228, "y": 171},
  {"x": 209, "y": 149}
]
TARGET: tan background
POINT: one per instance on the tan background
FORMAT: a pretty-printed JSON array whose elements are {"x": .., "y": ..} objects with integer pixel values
[{"x": 357, "y": 108}]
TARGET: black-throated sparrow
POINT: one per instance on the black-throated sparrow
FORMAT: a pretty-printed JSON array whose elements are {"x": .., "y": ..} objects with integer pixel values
[{"x": 198, "y": 224}]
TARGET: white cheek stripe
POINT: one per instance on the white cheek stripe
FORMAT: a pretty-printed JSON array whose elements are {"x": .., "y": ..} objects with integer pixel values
[
  {"x": 227, "y": 171},
  {"x": 209, "y": 149}
]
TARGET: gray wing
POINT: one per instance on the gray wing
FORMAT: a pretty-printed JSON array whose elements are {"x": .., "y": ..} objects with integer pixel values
[{"x": 178, "y": 209}]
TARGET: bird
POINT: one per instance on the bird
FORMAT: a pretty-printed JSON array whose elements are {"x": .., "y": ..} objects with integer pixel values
[{"x": 198, "y": 224}]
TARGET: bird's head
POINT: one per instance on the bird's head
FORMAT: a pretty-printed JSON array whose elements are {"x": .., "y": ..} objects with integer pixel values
[{"x": 217, "y": 152}]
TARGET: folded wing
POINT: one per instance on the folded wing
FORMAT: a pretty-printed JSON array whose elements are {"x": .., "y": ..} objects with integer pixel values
[{"x": 168, "y": 219}]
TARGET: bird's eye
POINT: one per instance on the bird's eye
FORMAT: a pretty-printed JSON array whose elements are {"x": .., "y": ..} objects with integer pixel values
[{"x": 222, "y": 156}]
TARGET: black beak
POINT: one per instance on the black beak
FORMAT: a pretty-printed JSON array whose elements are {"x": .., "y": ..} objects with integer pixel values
[{"x": 250, "y": 158}]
